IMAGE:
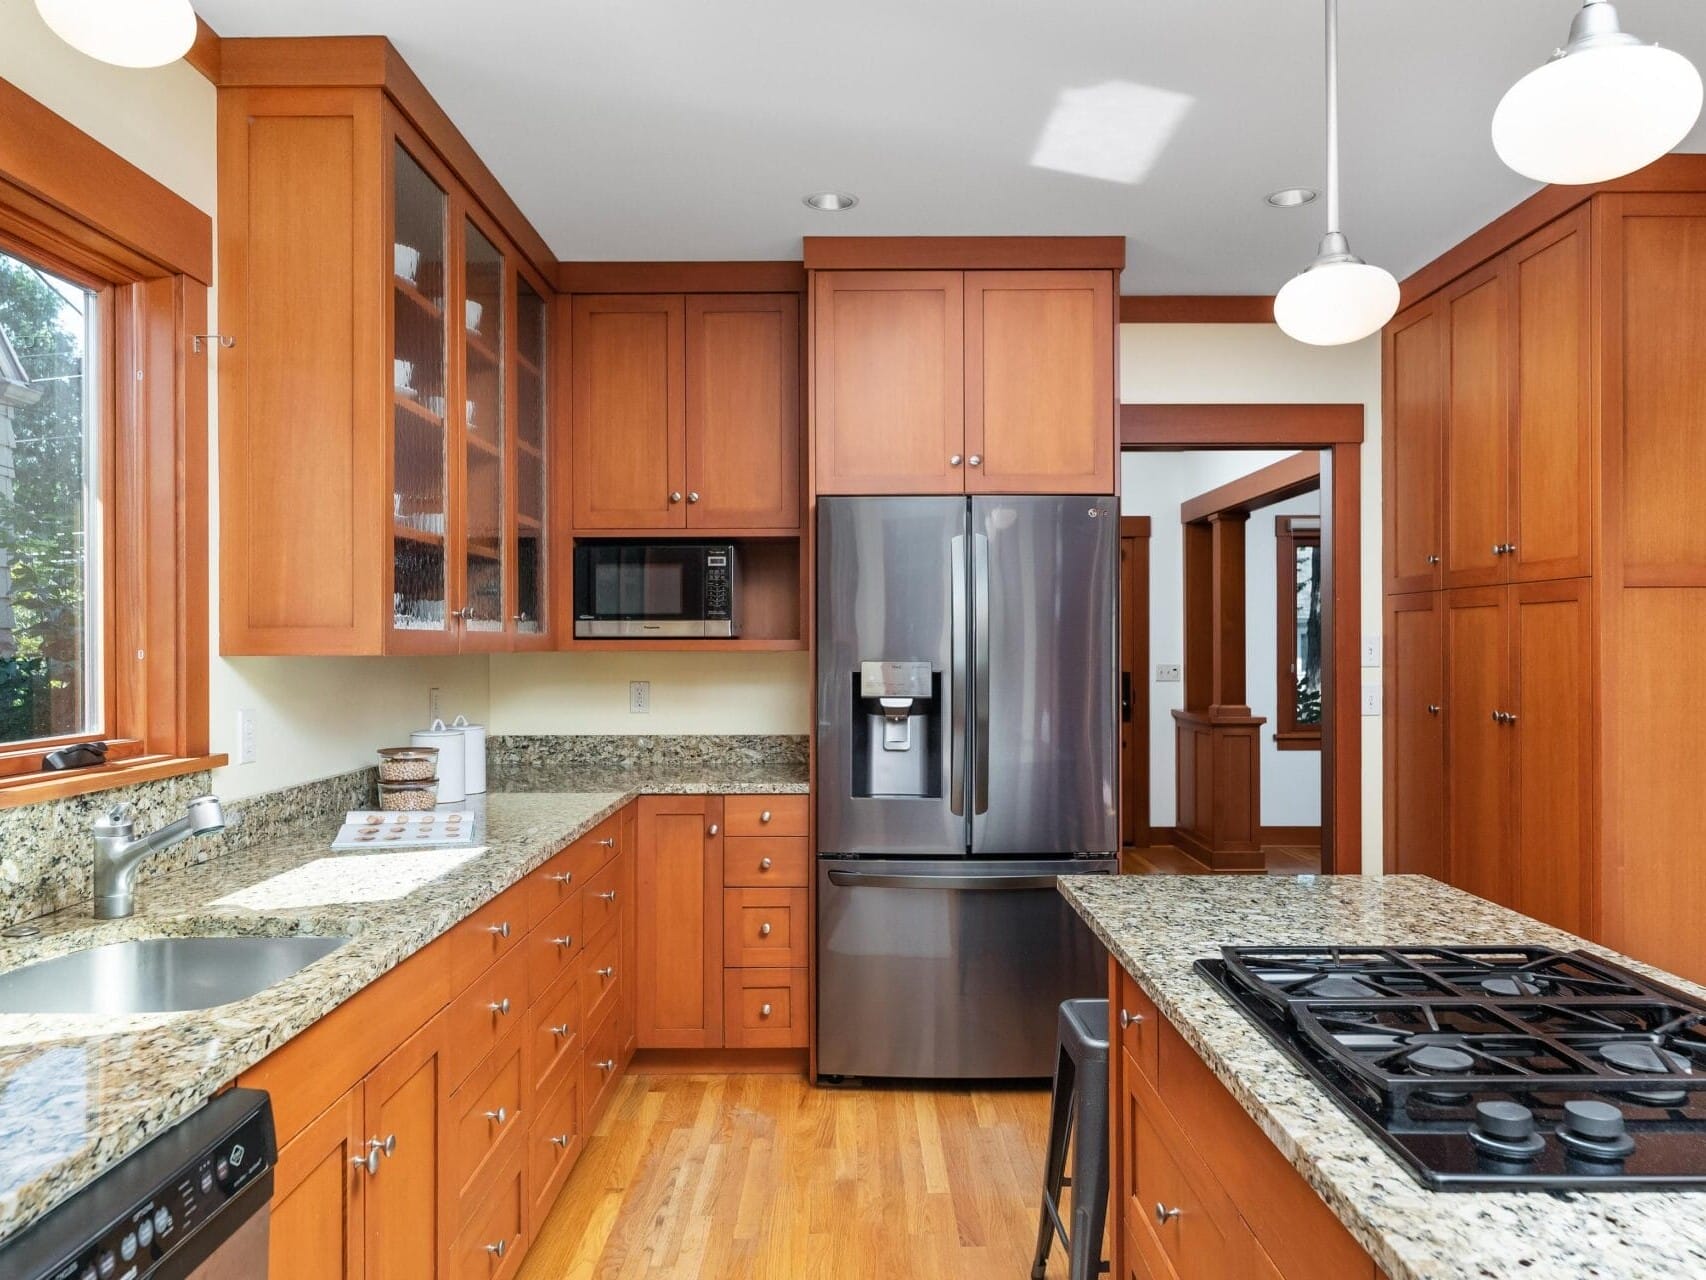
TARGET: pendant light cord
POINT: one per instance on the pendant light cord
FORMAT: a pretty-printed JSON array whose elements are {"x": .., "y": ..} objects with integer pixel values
[{"x": 1332, "y": 116}]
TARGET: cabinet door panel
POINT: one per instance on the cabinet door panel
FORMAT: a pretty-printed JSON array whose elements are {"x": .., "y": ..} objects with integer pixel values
[
  {"x": 406, "y": 1204},
  {"x": 630, "y": 412},
  {"x": 1040, "y": 392},
  {"x": 318, "y": 1198},
  {"x": 1415, "y": 735},
  {"x": 531, "y": 449},
  {"x": 1551, "y": 649},
  {"x": 889, "y": 381},
  {"x": 743, "y": 411},
  {"x": 1477, "y": 433},
  {"x": 1552, "y": 431},
  {"x": 680, "y": 927},
  {"x": 482, "y": 320},
  {"x": 1478, "y": 748},
  {"x": 1414, "y": 427}
]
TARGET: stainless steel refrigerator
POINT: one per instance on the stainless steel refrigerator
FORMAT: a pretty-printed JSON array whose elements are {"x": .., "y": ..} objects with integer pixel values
[{"x": 967, "y": 755}]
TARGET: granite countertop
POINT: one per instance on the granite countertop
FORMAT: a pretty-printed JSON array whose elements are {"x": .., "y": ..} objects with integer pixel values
[
  {"x": 78, "y": 1093},
  {"x": 1156, "y": 926}
]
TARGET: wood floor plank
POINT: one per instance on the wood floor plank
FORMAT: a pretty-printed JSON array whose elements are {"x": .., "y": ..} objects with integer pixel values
[{"x": 762, "y": 1177}]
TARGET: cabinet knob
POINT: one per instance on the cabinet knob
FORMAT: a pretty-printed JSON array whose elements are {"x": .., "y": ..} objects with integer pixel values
[
  {"x": 498, "y": 1249},
  {"x": 764, "y": 1010},
  {"x": 1433, "y": 708},
  {"x": 608, "y": 843},
  {"x": 521, "y": 617},
  {"x": 764, "y": 929},
  {"x": 764, "y": 816},
  {"x": 675, "y": 496},
  {"x": 1164, "y": 1215},
  {"x": 501, "y": 930},
  {"x": 692, "y": 496},
  {"x": 566, "y": 941},
  {"x": 954, "y": 460},
  {"x": 1129, "y": 1019},
  {"x": 370, "y": 1161},
  {"x": 711, "y": 830},
  {"x": 607, "y": 1066},
  {"x": 561, "y": 1030},
  {"x": 500, "y": 1007},
  {"x": 976, "y": 460},
  {"x": 560, "y": 1140},
  {"x": 498, "y": 1116},
  {"x": 608, "y": 972},
  {"x": 764, "y": 864},
  {"x": 609, "y": 895},
  {"x": 562, "y": 877},
  {"x": 1433, "y": 559},
  {"x": 389, "y": 1146}
]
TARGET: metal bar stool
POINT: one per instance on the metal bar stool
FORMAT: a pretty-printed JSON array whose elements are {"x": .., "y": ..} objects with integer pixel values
[{"x": 1079, "y": 1111}]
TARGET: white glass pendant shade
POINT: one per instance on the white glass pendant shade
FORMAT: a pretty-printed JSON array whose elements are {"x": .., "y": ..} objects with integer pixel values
[
  {"x": 1333, "y": 303},
  {"x": 126, "y": 33},
  {"x": 1598, "y": 113}
]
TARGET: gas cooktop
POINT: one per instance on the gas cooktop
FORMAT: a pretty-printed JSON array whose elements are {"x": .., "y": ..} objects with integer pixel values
[{"x": 1483, "y": 1068}]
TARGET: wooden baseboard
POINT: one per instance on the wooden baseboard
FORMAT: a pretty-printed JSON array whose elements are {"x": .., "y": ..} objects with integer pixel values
[
  {"x": 723, "y": 1062},
  {"x": 1292, "y": 835}
]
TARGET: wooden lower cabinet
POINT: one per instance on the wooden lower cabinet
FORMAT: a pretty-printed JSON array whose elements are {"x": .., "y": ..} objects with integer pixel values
[
  {"x": 679, "y": 866},
  {"x": 427, "y": 1124},
  {"x": 1199, "y": 1193}
]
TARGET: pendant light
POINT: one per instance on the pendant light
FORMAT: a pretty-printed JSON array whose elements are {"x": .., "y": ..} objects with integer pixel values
[
  {"x": 126, "y": 33},
  {"x": 1338, "y": 298},
  {"x": 1605, "y": 105}
]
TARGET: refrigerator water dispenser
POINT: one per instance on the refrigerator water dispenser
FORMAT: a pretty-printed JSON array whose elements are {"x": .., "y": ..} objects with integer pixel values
[{"x": 896, "y": 729}]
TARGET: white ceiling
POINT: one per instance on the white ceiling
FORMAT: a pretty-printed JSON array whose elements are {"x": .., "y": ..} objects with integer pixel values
[{"x": 662, "y": 129}]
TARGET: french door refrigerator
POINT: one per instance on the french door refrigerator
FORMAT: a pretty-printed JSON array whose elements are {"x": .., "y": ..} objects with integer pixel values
[{"x": 967, "y": 746}]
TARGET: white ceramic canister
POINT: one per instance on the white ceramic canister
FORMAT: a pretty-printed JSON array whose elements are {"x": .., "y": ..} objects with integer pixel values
[
  {"x": 452, "y": 759},
  {"x": 474, "y": 751}
]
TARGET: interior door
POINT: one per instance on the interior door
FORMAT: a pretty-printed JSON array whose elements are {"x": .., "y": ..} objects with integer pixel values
[
  {"x": 1415, "y": 735},
  {"x": 1414, "y": 370},
  {"x": 406, "y": 1202},
  {"x": 680, "y": 925},
  {"x": 628, "y": 390},
  {"x": 1045, "y": 738},
  {"x": 1478, "y": 743}
]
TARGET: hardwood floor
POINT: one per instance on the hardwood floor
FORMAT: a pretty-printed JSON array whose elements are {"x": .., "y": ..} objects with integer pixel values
[
  {"x": 766, "y": 1178},
  {"x": 1169, "y": 860}
]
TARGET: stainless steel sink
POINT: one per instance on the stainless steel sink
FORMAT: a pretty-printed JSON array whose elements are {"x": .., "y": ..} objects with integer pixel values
[{"x": 158, "y": 975}]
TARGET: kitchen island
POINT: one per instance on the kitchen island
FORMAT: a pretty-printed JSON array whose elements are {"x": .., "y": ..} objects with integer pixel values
[{"x": 1156, "y": 927}]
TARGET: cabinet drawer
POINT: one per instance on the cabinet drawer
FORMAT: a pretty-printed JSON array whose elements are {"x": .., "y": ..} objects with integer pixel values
[
  {"x": 487, "y": 935},
  {"x": 598, "y": 1070},
  {"x": 555, "y": 1023},
  {"x": 486, "y": 1119},
  {"x": 1141, "y": 1034},
  {"x": 764, "y": 928},
  {"x": 758, "y": 861},
  {"x": 601, "y": 976},
  {"x": 601, "y": 903},
  {"x": 491, "y": 1245},
  {"x": 1176, "y": 1209},
  {"x": 764, "y": 815},
  {"x": 478, "y": 1018},
  {"x": 765, "y": 1009},
  {"x": 554, "y": 1140},
  {"x": 553, "y": 946},
  {"x": 563, "y": 876}
]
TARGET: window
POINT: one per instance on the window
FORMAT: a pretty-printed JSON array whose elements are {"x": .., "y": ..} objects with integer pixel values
[
  {"x": 1298, "y": 681},
  {"x": 50, "y": 615}
]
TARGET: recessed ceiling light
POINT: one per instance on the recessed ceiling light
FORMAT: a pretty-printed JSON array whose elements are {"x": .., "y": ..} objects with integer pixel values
[
  {"x": 1291, "y": 197},
  {"x": 831, "y": 201}
]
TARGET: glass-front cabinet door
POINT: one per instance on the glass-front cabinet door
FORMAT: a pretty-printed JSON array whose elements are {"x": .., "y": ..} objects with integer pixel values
[
  {"x": 419, "y": 453},
  {"x": 531, "y": 473},
  {"x": 485, "y": 532}
]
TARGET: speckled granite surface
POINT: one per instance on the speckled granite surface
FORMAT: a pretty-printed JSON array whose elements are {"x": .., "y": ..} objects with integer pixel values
[
  {"x": 78, "y": 1093},
  {"x": 665, "y": 765},
  {"x": 1157, "y": 925}
]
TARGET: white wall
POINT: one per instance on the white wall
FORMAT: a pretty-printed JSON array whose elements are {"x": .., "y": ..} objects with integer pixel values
[
  {"x": 314, "y": 716},
  {"x": 1255, "y": 364},
  {"x": 691, "y": 693},
  {"x": 1291, "y": 780}
]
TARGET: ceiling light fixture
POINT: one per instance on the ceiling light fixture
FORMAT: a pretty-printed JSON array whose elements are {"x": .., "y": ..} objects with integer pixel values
[
  {"x": 830, "y": 201},
  {"x": 1604, "y": 105},
  {"x": 1338, "y": 298},
  {"x": 1291, "y": 197},
  {"x": 126, "y": 33}
]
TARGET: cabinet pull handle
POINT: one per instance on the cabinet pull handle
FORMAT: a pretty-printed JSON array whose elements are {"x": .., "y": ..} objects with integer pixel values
[
  {"x": 608, "y": 972},
  {"x": 976, "y": 460},
  {"x": 560, "y": 1140},
  {"x": 498, "y": 1116},
  {"x": 692, "y": 496},
  {"x": 1164, "y": 1215},
  {"x": 764, "y": 864},
  {"x": 500, "y": 1007},
  {"x": 566, "y": 941},
  {"x": 609, "y": 895},
  {"x": 501, "y": 930},
  {"x": 607, "y": 1066},
  {"x": 954, "y": 460},
  {"x": 562, "y": 877},
  {"x": 675, "y": 496},
  {"x": 560, "y": 1030},
  {"x": 764, "y": 1010},
  {"x": 711, "y": 830},
  {"x": 764, "y": 929},
  {"x": 498, "y": 1249},
  {"x": 1129, "y": 1019}
]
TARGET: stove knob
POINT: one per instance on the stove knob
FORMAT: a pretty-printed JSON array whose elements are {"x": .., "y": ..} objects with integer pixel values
[
  {"x": 1595, "y": 1121},
  {"x": 1510, "y": 1121}
]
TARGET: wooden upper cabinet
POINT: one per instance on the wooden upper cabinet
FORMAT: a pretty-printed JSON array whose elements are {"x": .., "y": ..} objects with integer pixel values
[
  {"x": 1415, "y": 735},
  {"x": 1478, "y": 746},
  {"x": 1477, "y": 431},
  {"x": 1551, "y": 494},
  {"x": 1040, "y": 390},
  {"x": 1413, "y": 368},
  {"x": 629, "y": 411},
  {"x": 743, "y": 411},
  {"x": 888, "y": 381},
  {"x": 679, "y": 873}
]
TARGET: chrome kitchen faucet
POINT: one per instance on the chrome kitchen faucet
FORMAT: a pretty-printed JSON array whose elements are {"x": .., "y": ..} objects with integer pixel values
[{"x": 119, "y": 851}]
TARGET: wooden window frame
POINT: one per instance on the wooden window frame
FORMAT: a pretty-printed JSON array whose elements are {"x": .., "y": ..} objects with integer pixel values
[
  {"x": 1289, "y": 534},
  {"x": 81, "y": 211}
]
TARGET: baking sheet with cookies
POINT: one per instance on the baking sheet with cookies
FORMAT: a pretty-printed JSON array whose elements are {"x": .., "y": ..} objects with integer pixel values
[{"x": 388, "y": 829}]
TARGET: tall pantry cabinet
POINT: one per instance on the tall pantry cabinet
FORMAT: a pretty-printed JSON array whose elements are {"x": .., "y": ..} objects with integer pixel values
[{"x": 1545, "y": 461}]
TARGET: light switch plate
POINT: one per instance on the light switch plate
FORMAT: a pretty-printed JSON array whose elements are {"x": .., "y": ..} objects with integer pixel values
[
  {"x": 1371, "y": 699},
  {"x": 639, "y": 697},
  {"x": 1166, "y": 673},
  {"x": 1371, "y": 651}
]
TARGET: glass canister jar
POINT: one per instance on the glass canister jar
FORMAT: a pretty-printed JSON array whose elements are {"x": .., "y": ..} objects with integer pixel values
[{"x": 408, "y": 764}]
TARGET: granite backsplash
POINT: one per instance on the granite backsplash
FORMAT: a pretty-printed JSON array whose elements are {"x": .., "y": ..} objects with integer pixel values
[{"x": 510, "y": 758}]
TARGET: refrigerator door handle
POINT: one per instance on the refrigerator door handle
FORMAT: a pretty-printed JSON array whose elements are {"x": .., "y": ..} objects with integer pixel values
[
  {"x": 895, "y": 880},
  {"x": 980, "y": 670},
  {"x": 958, "y": 677}
]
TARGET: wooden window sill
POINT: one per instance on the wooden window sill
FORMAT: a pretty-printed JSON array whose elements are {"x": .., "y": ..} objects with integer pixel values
[
  {"x": 37, "y": 787},
  {"x": 1309, "y": 740}
]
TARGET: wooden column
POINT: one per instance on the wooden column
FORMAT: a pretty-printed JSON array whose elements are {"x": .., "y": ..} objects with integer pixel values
[{"x": 1226, "y": 530}]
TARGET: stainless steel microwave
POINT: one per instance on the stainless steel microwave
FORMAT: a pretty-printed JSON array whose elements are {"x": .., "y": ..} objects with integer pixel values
[{"x": 656, "y": 590}]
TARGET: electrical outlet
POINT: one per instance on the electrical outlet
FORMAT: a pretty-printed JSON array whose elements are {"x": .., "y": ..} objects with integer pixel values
[
  {"x": 435, "y": 709},
  {"x": 1167, "y": 673},
  {"x": 1371, "y": 651},
  {"x": 1371, "y": 699},
  {"x": 246, "y": 736},
  {"x": 639, "y": 697}
]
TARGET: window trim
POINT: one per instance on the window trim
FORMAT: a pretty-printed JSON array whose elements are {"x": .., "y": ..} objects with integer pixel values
[
  {"x": 1289, "y": 534},
  {"x": 79, "y": 209}
]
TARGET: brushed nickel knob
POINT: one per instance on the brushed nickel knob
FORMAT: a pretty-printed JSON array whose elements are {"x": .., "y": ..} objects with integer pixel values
[
  {"x": 764, "y": 864},
  {"x": 608, "y": 972},
  {"x": 609, "y": 895},
  {"x": 976, "y": 460},
  {"x": 562, "y": 877},
  {"x": 501, "y": 930},
  {"x": 675, "y": 496},
  {"x": 764, "y": 816},
  {"x": 561, "y": 1030},
  {"x": 498, "y": 1249},
  {"x": 1433, "y": 708},
  {"x": 498, "y": 1116},
  {"x": 608, "y": 843},
  {"x": 954, "y": 460},
  {"x": 501, "y": 1007},
  {"x": 1433, "y": 559},
  {"x": 692, "y": 497},
  {"x": 712, "y": 829},
  {"x": 1129, "y": 1019},
  {"x": 607, "y": 1066},
  {"x": 764, "y": 1010},
  {"x": 566, "y": 941},
  {"x": 764, "y": 929},
  {"x": 1164, "y": 1215},
  {"x": 560, "y": 1140}
]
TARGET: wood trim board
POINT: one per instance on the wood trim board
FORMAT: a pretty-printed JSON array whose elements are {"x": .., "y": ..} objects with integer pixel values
[
  {"x": 679, "y": 277},
  {"x": 1239, "y": 426},
  {"x": 1183, "y": 308},
  {"x": 1300, "y": 473},
  {"x": 964, "y": 253}
]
